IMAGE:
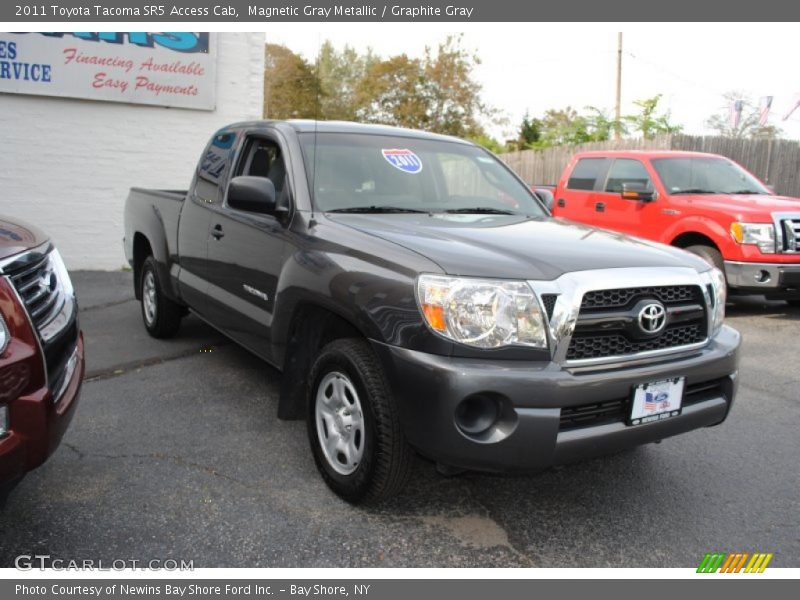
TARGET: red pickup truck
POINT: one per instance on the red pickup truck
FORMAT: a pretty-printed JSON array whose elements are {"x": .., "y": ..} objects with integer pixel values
[
  {"x": 41, "y": 350},
  {"x": 704, "y": 203}
]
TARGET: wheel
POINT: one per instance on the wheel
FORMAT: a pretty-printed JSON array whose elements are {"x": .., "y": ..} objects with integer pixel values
[
  {"x": 795, "y": 303},
  {"x": 353, "y": 425},
  {"x": 161, "y": 316},
  {"x": 711, "y": 255}
]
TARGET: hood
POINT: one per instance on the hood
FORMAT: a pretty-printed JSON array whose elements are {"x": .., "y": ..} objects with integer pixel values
[
  {"x": 743, "y": 206},
  {"x": 515, "y": 247},
  {"x": 17, "y": 236}
]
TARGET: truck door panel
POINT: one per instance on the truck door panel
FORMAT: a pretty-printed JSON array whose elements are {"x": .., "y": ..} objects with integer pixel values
[
  {"x": 245, "y": 255},
  {"x": 620, "y": 214},
  {"x": 577, "y": 200}
]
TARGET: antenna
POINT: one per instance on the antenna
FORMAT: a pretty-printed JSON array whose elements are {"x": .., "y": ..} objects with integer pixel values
[{"x": 317, "y": 85}]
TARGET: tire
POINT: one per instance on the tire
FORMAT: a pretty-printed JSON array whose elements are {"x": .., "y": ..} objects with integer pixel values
[
  {"x": 367, "y": 457},
  {"x": 161, "y": 316},
  {"x": 709, "y": 254},
  {"x": 794, "y": 303}
]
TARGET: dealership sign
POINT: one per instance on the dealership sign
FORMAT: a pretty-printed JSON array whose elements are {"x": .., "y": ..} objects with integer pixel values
[{"x": 164, "y": 69}]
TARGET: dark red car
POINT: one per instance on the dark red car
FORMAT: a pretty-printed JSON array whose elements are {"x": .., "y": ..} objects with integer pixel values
[{"x": 41, "y": 350}]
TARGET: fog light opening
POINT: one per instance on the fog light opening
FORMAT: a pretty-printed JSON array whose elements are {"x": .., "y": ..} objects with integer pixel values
[
  {"x": 763, "y": 276},
  {"x": 476, "y": 414}
]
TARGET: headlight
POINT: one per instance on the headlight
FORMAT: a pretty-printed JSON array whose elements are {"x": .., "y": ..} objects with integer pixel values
[
  {"x": 5, "y": 337},
  {"x": 756, "y": 234},
  {"x": 485, "y": 313},
  {"x": 719, "y": 294},
  {"x": 62, "y": 276}
]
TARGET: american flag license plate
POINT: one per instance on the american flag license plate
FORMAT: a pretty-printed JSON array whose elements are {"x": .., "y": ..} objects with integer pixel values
[{"x": 656, "y": 401}]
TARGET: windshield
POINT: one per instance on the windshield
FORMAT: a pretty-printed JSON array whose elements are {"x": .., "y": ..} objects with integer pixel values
[
  {"x": 701, "y": 175},
  {"x": 376, "y": 173}
]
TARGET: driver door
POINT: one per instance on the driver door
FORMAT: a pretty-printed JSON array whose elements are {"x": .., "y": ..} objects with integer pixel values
[{"x": 245, "y": 253}]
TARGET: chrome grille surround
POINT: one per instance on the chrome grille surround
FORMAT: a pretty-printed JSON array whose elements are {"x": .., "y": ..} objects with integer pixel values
[{"x": 570, "y": 289}]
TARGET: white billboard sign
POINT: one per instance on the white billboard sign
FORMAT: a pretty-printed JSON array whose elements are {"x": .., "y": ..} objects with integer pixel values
[{"x": 163, "y": 69}]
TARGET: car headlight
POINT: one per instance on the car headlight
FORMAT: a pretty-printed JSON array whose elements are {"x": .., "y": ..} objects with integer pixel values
[
  {"x": 719, "y": 295},
  {"x": 5, "y": 336},
  {"x": 484, "y": 313},
  {"x": 756, "y": 234},
  {"x": 62, "y": 275}
]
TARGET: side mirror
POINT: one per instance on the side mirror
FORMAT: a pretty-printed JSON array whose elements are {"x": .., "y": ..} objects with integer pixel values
[
  {"x": 253, "y": 194},
  {"x": 637, "y": 191},
  {"x": 546, "y": 196}
]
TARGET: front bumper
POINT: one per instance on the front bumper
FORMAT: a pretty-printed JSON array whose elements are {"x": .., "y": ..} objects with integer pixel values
[
  {"x": 764, "y": 278},
  {"x": 529, "y": 434},
  {"x": 37, "y": 422}
]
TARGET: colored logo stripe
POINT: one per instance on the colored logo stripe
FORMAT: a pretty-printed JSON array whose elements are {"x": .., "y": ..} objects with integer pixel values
[{"x": 734, "y": 562}]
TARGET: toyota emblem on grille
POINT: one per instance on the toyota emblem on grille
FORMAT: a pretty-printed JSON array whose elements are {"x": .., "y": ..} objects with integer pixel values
[{"x": 652, "y": 317}]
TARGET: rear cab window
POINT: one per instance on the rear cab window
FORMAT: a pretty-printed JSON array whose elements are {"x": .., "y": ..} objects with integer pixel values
[
  {"x": 214, "y": 166},
  {"x": 587, "y": 172}
]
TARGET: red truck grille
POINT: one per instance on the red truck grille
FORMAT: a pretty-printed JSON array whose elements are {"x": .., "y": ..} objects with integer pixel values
[
  {"x": 791, "y": 234},
  {"x": 37, "y": 287},
  {"x": 608, "y": 326}
]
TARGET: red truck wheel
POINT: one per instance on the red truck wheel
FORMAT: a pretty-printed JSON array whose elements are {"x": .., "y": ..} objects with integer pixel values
[{"x": 711, "y": 255}]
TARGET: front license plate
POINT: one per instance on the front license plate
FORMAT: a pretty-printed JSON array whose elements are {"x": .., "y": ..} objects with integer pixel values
[{"x": 656, "y": 401}]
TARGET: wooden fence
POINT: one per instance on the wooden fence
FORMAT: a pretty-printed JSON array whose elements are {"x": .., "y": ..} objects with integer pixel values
[{"x": 777, "y": 162}]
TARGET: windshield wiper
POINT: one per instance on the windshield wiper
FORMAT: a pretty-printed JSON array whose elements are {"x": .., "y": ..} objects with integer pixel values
[
  {"x": 377, "y": 209},
  {"x": 485, "y": 210},
  {"x": 745, "y": 192},
  {"x": 693, "y": 191}
]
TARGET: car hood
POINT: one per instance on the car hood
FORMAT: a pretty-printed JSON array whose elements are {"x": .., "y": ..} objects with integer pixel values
[
  {"x": 760, "y": 206},
  {"x": 515, "y": 247},
  {"x": 17, "y": 236}
]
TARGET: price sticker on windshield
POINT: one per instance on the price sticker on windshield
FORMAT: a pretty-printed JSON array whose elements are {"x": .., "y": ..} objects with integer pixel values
[{"x": 403, "y": 159}]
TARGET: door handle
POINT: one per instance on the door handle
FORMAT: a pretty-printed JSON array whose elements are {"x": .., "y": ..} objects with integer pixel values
[
  {"x": 217, "y": 232},
  {"x": 561, "y": 203},
  {"x": 600, "y": 207}
]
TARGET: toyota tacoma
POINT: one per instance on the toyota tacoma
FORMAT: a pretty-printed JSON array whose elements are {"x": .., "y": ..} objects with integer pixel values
[{"x": 418, "y": 297}]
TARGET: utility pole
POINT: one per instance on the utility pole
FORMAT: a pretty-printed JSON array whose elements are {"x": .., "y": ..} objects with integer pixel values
[{"x": 618, "y": 103}]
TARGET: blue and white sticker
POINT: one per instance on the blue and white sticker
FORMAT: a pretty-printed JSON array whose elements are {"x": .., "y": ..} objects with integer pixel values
[{"x": 403, "y": 159}]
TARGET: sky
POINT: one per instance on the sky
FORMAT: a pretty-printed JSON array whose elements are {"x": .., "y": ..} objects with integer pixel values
[{"x": 536, "y": 66}]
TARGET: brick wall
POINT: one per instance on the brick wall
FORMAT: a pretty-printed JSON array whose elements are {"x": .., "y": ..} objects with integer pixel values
[{"x": 67, "y": 164}]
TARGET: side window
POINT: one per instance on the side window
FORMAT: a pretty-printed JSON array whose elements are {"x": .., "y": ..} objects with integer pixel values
[
  {"x": 214, "y": 167},
  {"x": 263, "y": 158},
  {"x": 586, "y": 173},
  {"x": 627, "y": 170}
]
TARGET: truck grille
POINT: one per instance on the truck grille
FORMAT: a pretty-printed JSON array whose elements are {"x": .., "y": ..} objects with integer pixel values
[
  {"x": 37, "y": 287},
  {"x": 616, "y": 411},
  {"x": 605, "y": 299},
  {"x": 608, "y": 325},
  {"x": 791, "y": 234},
  {"x": 52, "y": 312}
]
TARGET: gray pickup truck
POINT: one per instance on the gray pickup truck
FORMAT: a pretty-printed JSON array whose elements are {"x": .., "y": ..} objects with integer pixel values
[{"x": 417, "y": 296}]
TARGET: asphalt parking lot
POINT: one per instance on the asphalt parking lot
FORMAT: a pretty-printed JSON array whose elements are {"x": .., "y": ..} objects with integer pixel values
[{"x": 175, "y": 452}]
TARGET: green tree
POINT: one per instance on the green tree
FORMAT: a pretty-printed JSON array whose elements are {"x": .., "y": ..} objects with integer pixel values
[
  {"x": 528, "y": 135},
  {"x": 563, "y": 127},
  {"x": 390, "y": 93},
  {"x": 601, "y": 126},
  {"x": 437, "y": 92},
  {"x": 648, "y": 122},
  {"x": 748, "y": 124},
  {"x": 490, "y": 143},
  {"x": 291, "y": 89},
  {"x": 340, "y": 73}
]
